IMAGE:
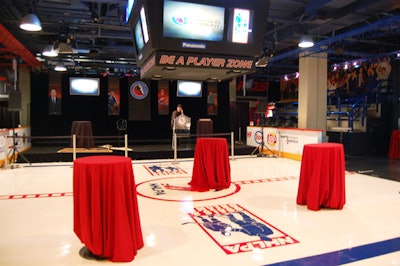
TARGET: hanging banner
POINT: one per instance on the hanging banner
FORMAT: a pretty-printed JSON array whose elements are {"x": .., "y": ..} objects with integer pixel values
[
  {"x": 139, "y": 101},
  {"x": 212, "y": 99},
  {"x": 55, "y": 94},
  {"x": 113, "y": 98},
  {"x": 163, "y": 97}
]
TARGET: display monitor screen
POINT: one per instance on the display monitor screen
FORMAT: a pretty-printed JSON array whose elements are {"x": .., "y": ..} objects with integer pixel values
[
  {"x": 84, "y": 86},
  {"x": 188, "y": 88},
  {"x": 138, "y": 33},
  {"x": 128, "y": 10},
  {"x": 144, "y": 25},
  {"x": 240, "y": 25},
  {"x": 193, "y": 21}
]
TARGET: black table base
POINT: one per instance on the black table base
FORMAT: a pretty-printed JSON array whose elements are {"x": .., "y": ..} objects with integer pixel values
[{"x": 85, "y": 253}]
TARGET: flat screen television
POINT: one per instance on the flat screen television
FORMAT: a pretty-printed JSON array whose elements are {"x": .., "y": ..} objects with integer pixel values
[
  {"x": 128, "y": 9},
  {"x": 143, "y": 20},
  {"x": 84, "y": 86},
  {"x": 193, "y": 21},
  {"x": 187, "y": 88},
  {"x": 141, "y": 33},
  {"x": 139, "y": 39},
  {"x": 218, "y": 27},
  {"x": 240, "y": 26}
]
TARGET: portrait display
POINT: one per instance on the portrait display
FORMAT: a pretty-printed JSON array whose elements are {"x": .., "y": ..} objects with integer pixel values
[
  {"x": 212, "y": 99},
  {"x": 163, "y": 98},
  {"x": 113, "y": 96},
  {"x": 54, "y": 94}
]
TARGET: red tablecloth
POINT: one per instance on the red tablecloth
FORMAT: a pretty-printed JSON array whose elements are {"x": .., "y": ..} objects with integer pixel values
[
  {"x": 211, "y": 167},
  {"x": 106, "y": 215},
  {"x": 322, "y": 176},
  {"x": 84, "y": 134},
  {"x": 394, "y": 149}
]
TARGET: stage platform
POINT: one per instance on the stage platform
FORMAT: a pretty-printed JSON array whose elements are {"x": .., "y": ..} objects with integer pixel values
[
  {"x": 140, "y": 150},
  {"x": 377, "y": 165}
]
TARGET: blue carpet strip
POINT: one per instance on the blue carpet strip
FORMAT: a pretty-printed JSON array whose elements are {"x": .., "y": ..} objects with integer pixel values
[{"x": 344, "y": 256}]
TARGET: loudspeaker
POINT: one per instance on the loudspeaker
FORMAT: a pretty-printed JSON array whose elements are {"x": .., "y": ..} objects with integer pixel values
[{"x": 14, "y": 101}]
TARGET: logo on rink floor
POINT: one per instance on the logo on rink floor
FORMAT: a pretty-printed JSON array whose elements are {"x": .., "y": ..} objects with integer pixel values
[
  {"x": 237, "y": 230},
  {"x": 164, "y": 169}
]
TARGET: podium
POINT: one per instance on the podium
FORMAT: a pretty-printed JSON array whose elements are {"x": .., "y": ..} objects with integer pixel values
[
  {"x": 204, "y": 126},
  {"x": 181, "y": 128},
  {"x": 84, "y": 134}
]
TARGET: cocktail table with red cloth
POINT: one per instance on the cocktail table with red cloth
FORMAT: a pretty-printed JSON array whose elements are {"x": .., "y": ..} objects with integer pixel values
[
  {"x": 211, "y": 167},
  {"x": 322, "y": 176},
  {"x": 394, "y": 148},
  {"x": 84, "y": 134},
  {"x": 106, "y": 215}
]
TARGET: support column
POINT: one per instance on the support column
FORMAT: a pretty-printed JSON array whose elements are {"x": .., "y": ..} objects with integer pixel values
[{"x": 312, "y": 91}]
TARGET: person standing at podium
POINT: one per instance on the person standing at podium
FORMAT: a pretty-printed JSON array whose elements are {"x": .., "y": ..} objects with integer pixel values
[
  {"x": 178, "y": 112},
  {"x": 175, "y": 114}
]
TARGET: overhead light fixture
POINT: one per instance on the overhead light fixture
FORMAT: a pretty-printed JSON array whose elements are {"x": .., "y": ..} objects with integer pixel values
[
  {"x": 236, "y": 71},
  {"x": 50, "y": 51},
  {"x": 212, "y": 79},
  {"x": 60, "y": 67},
  {"x": 31, "y": 23},
  {"x": 306, "y": 42}
]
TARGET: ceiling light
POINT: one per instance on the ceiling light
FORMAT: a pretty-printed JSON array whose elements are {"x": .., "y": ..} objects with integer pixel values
[
  {"x": 50, "y": 51},
  {"x": 356, "y": 64},
  {"x": 236, "y": 71},
  {"x": 60, "y": 67},
  {"x": 31, "y": 23},
  {"x": 306, "y": 42}
]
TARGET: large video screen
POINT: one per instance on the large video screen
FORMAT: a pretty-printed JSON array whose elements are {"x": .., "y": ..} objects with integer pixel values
[
  {"x": 187, "y": 88},
  {"x": 145, "y": 29},
  {"x": 84, "y": 86},
  {"x": 139, "y": 39},
  {"x": 140, "y": 32},
  {"x": 193, "y": 21},
  {"x": 240, "y": 28},
  {"x": 128, "y": 9},
  {"x": 219, "y": 27}
]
